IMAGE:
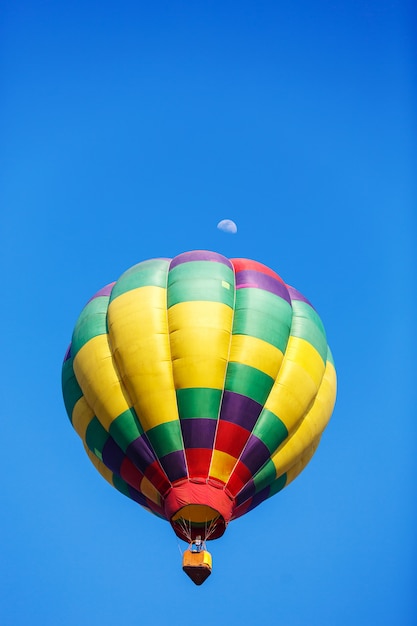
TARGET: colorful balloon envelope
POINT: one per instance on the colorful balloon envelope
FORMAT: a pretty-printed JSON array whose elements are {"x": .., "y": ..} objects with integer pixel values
[{"x": 200, "y": 386}]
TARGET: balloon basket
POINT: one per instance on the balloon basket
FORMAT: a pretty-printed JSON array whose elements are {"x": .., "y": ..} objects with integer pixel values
[{"x": 197, "y": 565}]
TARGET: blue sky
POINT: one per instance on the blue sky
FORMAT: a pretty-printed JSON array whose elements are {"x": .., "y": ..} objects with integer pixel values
[{"x": 128, "y": 130}]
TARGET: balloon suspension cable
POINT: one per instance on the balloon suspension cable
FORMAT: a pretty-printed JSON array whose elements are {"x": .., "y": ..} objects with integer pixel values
[
  {"x": 179, "y": 548},
  {"x": 186, "y": 529},
  {"x": 209, "y": 529}
]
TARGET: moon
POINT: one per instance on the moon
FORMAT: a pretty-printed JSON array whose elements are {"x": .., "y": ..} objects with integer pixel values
[{"x": 227, "y": 226}]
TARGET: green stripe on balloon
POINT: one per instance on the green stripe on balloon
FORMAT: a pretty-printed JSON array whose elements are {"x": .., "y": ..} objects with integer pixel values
[
  {"x": 330, "y": 356},
  {"x": 248, "y": 381},
  {"x": 71, "y": 389},
  {"x": 265, "y": 477},
  {"x": 166, "y": 438},
  {"x": 199, "y": 402},
  {"x": 96, "y": 437},
  {"x": 201, "y": 281},
  {"x": 125, "y": 429},
  {"x": 308, "y": 325},
  {"x": 277, "y": 485},
  {"x": 121, "y": 485},
  {"x": 151, "y": 273},
  {"x": 271, "y": 430},
  {"x": 91, "y": 323},
  {"x": 262, "y": 314}
]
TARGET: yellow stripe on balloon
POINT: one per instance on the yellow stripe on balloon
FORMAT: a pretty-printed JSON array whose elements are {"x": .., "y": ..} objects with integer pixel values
[
  {"x": 149, "y": 491},
  {"x": 222, "y": 465},
  {"x": 81, "y": 417},
  {"x": 256, "y": 353},
  {"x": 302, "y": 352},
  {"x": 99, "y": 380},
  {"x": 200, "y": 340},
  {"x": 298, "y": 467},
  {"x": 312, "y": 426},
  {"x": 99, "y": 465},
  {"x": 297, "y": 383},
  {"x": 138, "y": 329}
]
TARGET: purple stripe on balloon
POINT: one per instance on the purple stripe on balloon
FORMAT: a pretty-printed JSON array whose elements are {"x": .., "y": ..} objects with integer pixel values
[
  {"x": 240, "y": 510},
  {"x": 259, "y": 497},
  {"x": 200, "y": 255},
  {"x": 112, "y": 455},
  {"x": 174, "y": 465},
  {"x": 296, "y": 295},
  {"x": 247, "y": 492},
  {"x": 255, "y": 454},
  {"x": 105, "y": 291},
  {"x": 259, "y": 280},
  {"x": 240, "y": 410},
  {"x": 198, "y": 432},
  {"x": 140, "y": 453},
  {"x": 138, "y": 497},
  {"x": 68, "y": 353}
]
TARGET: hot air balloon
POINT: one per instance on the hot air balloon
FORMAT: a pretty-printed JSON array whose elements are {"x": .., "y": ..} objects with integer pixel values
[{"x": 200, "y": 386}]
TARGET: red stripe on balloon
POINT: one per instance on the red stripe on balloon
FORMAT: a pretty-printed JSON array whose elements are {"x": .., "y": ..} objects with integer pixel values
[
  {"x": 241, "y": 475},
  {"x": 130, "y": 473},
  {"x": 198, "y": 462},
  {"x": 231, "y": 438},
  {"x": 157, "y": 477},
  {"x": 247, "y": 264}
]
